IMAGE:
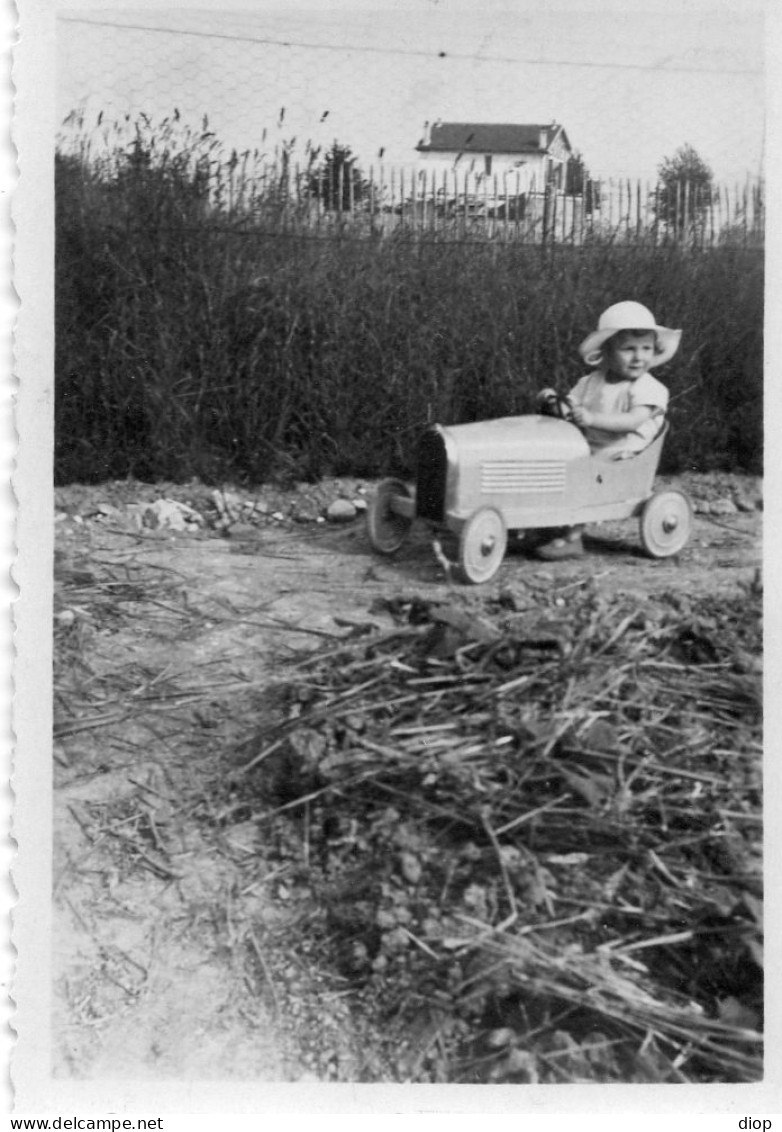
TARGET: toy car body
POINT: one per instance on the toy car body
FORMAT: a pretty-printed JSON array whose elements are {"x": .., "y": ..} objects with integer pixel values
[{"x": 479, "y": 481}]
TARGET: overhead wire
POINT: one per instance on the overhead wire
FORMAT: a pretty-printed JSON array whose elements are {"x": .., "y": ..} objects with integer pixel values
[{"x": 411, "y": 52}]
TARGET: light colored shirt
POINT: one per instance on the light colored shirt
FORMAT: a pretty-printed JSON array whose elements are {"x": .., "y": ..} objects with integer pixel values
[{"x": 596, "y": 393}]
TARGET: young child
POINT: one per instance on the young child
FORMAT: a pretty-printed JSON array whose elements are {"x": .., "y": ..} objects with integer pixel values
[{"x": 619, "y": 406}]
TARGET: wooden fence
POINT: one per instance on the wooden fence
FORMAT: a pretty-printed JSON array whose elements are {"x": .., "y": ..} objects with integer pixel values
[{"x": 453, "y": 205}]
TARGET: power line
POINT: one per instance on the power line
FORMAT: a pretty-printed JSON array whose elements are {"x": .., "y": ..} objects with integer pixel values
[{"x": 440, "y": 55}]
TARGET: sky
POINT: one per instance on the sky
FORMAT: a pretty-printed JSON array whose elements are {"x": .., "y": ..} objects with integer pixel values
[{"x": 630, "y": 84}]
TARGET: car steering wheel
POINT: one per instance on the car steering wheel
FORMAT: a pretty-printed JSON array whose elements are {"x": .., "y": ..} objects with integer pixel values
[{"x": 557, "y": 405}]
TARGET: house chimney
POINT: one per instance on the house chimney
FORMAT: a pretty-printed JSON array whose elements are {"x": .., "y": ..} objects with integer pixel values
[
  {"x": 544, "y": 137},
  {"x": 427, "y": 138}
]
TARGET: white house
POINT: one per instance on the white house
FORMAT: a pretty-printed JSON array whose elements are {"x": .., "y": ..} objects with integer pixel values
[{"x": 538, "y": 153}]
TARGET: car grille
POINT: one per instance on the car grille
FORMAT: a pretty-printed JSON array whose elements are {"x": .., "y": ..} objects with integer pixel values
[
  {"x": 542, "y": 476},
  {"x": 431, "y": 477}
]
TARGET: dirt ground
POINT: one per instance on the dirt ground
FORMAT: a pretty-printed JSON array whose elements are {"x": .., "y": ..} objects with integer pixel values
[{"x": 185, "y": 945}]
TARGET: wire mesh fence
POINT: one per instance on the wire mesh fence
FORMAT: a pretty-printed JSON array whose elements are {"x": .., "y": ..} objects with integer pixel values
[
  {"x": 314, "y": 123},
  {"x": 279, "y": 194},
  {"x": 238, "y": 293}
]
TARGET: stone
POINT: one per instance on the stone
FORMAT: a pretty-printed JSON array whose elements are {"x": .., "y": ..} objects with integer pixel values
[
  {"x": 227, "y": 502},
  {"x": 723, "y": 507},
  {"x": 244, "y": 837},
  {"x": 305, "y": 511},
  {"x": 169, "y": 515},
  {"x": 410, "y": 867},
  {"x": 103, "y": 511},
  {"x": 341, "y": 511}
]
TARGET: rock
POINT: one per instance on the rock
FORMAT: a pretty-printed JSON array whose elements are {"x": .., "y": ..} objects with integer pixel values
[
  {"x": 601, "y": 736},
  {"x": 744, "y": 503},
  {"x": 170, "y": 515},
  {"x": 66, "y": 618},
  {"x": 359, "y": 504},
  {"x": 305, "y": 511},
  {"x": 102, "y": 511},
  {"x": 701, "y": 507},
  {"x": 243, "y": 836},
  {"x": 723, "y": 507},
  {"x": 341, "y": 511},
  {"x": 395, "y": 940},
  {"x": 135, "y": 511},
  {"x": 227, "y": 502},
  {"x": 410, "y": 867}
]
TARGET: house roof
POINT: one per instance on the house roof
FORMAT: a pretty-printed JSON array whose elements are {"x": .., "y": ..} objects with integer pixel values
[{"x": 490, "y": 137}]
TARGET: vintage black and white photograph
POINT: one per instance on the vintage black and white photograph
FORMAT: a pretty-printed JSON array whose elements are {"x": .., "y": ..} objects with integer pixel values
[{"x": 407, "y": 679}]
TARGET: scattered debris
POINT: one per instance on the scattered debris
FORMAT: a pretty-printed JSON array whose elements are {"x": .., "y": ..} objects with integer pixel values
[
  {"x": 510, "y": 834},
  {"x": 166, "y": 514},
  {"x": 539, "y": 804}
]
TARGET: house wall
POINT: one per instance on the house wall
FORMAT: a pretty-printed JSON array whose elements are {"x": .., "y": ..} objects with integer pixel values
[
  {"x": 537, "y": 168},
  {"x": 500, "y": 165}
]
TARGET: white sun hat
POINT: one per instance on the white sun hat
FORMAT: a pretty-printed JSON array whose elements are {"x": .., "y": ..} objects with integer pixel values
[{"x": 629, "y": 316}]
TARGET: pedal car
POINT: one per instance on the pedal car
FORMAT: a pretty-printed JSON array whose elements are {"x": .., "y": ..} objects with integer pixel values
[{"x": 481, "y": 481}]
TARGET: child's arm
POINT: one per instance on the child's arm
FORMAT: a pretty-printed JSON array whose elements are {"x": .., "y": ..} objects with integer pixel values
[{"x": 613, "y": 422}]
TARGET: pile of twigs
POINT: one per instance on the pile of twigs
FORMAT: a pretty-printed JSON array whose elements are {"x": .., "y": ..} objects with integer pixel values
[{"x": 530, "y": 816}]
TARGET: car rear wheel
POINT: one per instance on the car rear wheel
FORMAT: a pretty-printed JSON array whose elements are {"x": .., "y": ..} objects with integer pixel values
[
  {"x": 482, "y": 545},
  {"x": 387, "y": 528},
  {"x": 666, "y": 523}
]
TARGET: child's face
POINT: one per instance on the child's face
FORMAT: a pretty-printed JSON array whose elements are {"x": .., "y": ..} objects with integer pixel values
[{"x": 630, "y": 353}]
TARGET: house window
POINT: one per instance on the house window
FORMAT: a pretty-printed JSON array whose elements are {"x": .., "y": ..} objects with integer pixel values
[
  {"x": 554, "y": 174},
  {"x": 487, "y": 164}
]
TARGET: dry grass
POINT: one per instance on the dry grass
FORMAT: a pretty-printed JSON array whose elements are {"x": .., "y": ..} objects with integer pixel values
[
  {"x": 535, "y": 828},
  {"x": 528, "y": 838}
]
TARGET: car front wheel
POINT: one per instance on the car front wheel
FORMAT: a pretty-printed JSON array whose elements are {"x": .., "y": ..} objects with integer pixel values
[{"x": 482, "y": 545}]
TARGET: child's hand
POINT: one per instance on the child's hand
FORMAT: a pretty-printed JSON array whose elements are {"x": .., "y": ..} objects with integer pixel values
[{"x": 582, "y": 417}]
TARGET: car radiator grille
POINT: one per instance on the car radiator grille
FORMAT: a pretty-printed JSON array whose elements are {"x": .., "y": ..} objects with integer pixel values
[
  {"x": 544, "y": 476},
  {"x": 431, "y": 477}
]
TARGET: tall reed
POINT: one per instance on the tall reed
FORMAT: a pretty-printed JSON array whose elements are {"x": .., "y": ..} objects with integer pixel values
[{"x": 200, "y": 337}]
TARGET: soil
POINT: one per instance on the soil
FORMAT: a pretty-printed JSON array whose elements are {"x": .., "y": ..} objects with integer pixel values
[{"x": 186, "y": 945}]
